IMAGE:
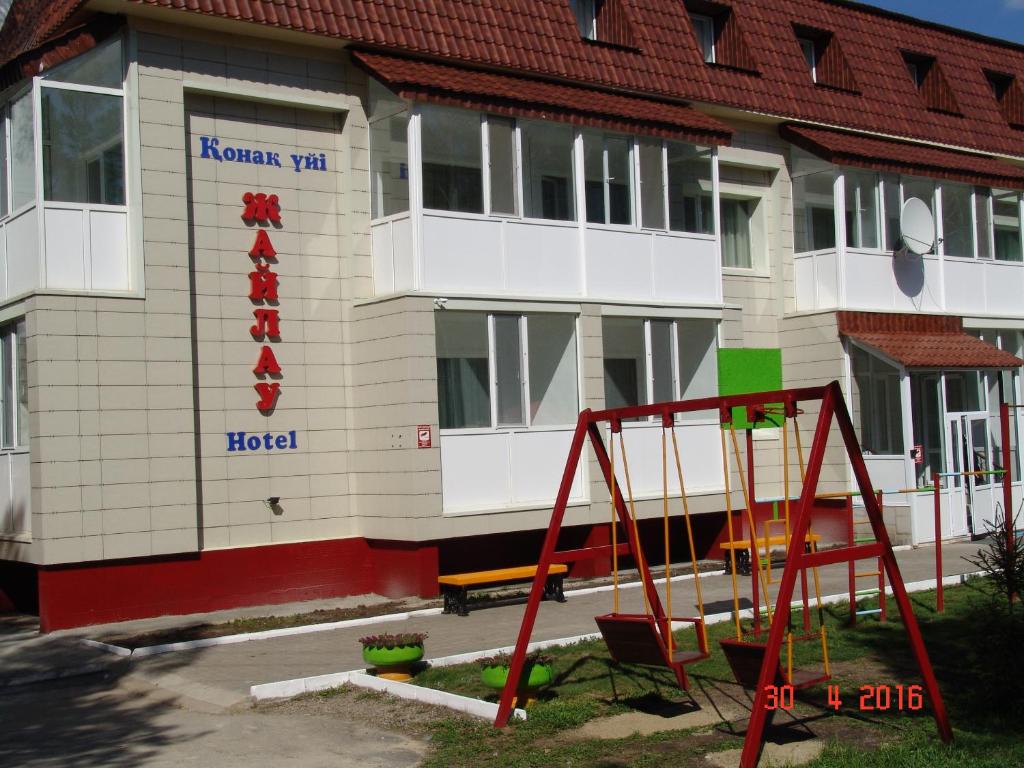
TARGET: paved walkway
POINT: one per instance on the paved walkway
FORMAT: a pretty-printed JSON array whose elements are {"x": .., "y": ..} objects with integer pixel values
[{"x": 223, "y": 674}]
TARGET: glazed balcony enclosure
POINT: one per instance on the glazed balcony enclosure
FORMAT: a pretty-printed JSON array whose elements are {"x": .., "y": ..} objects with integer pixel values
[
  {"x": 64, "y": 222},
  {"x": 471, "y": 203},
  {"x": 849, "y": 255}
]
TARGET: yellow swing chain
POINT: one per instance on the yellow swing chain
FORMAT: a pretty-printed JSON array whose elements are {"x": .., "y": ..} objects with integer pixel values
[
  {"x": 638, "y": 553},
  {"x": 615, "y": 529},
  {"x": 750, "y": 523},
  {"x": 732, "y": 539},
  {"x": 689, "y": 536},
  {"x": 668, "y": 565}
]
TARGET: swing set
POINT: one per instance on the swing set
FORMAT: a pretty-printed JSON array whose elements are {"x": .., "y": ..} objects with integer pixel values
[{"x": 646, "y": 638}]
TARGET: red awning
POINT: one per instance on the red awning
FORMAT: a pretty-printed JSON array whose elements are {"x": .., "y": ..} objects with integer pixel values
[
  {"x": 888, "y": 155},
  {"x": 526, "y": 97},
  {"x": 923, "y": 341}
]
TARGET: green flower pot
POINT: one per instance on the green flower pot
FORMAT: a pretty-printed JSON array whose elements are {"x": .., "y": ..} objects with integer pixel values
[
  {"x": 393, "y": 663},
  {"x": 535, "y": 676},
  {"x": 389, "y": 657}
]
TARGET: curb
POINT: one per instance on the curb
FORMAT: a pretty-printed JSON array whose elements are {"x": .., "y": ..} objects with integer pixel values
[{"x": 288, "y": 688}]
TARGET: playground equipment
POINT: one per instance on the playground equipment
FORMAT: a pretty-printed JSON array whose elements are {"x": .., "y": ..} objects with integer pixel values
[
  {"x": 655, "y": 626},
  {"x": 647, "y": 638}
]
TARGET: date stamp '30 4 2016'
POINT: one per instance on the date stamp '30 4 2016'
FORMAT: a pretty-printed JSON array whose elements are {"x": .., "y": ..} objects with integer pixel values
[{"x": 873, "y": 698}]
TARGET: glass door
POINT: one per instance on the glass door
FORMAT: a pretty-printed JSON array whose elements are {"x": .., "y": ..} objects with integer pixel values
[
  {"x": 981, "y": 486},
  {"x": 954, "y": 497}
]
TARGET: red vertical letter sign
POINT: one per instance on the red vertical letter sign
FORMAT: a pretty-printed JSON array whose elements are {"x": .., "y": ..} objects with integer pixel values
[{"x": 267, "y": 362}]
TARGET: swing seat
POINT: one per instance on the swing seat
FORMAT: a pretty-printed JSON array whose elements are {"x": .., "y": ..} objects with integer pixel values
[
  {"x": 634, "y": 638},
  {"x": 745, "y": 659}
]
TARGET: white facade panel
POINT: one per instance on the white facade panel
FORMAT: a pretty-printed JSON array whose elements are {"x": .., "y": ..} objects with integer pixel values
[
  {"x": 542, "y": 259},
  {"x": 22, "y": 253},
  {"x": 537, "y": 462},
  {"x": 619, "y": 264},
  {"x": 461, "y": 254},
  {"x": 475, "y": 471},
  {"x": 382, "y": 244},
  {"x": 65, "y": 248},
  {"x": 685, "y": 269},
  {"x": 108, "y": 251},
  {"x": 21, "y": 492}
]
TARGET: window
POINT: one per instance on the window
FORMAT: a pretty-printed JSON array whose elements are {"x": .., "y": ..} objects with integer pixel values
[
  {"x": 659, "y": 360},
  {"x": 1009, "y": 95},
  {"x": 690, "y": 201},
  {"x": 452, "y": 159},
  {"x": 877, "y": 403},
  {"x": 807, "y": 46},
  {"x": 652, "y": 184},
  {"x": 608, "y": 174},
  {"x": 547, "y": 171},
  {"x": 1006, "y": 228},
  {"x": 534, "y": 363},
  {"x": 983, "y": 221},
  {"x": 502, "y": 164},
  {"x": 586, "y": 17},
  {"x": 927, "y": 77},
  {"x": 704, "y": 28},
  {"x": 736, "y": 249},
  {"x": 923, "y": 190},
  {"x": 861, "y": 192},
  {"x": 23, "y": 156},
  {"x": 13, "y": 386},
  {"x": 389, "y": 152},
  {"x": 891, "y": 204},
  {"x": 85, "y": 165},
  {"x": 957, "y": 225},
  {"x": 814, "y": 224}
]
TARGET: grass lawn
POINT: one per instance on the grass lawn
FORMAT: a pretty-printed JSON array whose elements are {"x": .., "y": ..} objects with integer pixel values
[{"x": 974, "y": 647}]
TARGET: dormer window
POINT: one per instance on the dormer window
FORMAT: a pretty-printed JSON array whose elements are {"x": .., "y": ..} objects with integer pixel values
[
  {"x": 927, "y": 76},
  {"x": 810, "y": 56},
  {"x": 704, "y": 28},
  {"x": 719, "y": 35},
  {"x": 1009, "y": 94},
  {"x": 824, "y": 58},
  {"x": 586, "y": 17}
]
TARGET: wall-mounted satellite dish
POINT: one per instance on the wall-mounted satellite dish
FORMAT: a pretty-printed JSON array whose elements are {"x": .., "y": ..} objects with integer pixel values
[{"x": 917, "y": 226}]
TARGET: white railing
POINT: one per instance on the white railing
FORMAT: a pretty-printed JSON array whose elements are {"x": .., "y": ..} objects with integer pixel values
[
  {"x": 880, "y": 281},
  {"x": 476, "y": 254}
]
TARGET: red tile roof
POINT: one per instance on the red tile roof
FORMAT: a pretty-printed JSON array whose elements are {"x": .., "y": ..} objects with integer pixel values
[
  {"x": 541, "y": 37},
  {"x": 528, "y": 97},
  {"x": 923, "y": 341},
  {"x": 899, "y": 157}
]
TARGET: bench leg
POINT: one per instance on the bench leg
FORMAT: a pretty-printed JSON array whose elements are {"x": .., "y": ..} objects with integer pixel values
[
  {"x": 450, "y": 603},
  {"x": 463, "y": 609},
  {"x": 553, "y": 589}
]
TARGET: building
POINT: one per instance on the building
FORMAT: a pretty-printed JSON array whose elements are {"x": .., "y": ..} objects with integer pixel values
[{"x": 302, "y": 300}]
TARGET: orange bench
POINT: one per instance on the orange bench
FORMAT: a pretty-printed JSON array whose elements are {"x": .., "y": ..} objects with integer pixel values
[{"x": 455, "y": 586}]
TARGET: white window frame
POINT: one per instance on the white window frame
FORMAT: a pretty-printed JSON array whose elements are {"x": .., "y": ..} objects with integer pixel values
[
  {"x": 704, "y": 29},
  {"x": 524, "y": 376},
  {"x": 10, "y": 367}
]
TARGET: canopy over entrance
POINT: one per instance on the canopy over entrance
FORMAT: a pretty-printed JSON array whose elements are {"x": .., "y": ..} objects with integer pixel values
[{"x": 923, "y": 341}]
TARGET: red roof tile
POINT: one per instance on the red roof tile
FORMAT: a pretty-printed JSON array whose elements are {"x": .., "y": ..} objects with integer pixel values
[
  {"x": 901, "y": 157},
  {"x": 923, "y": 341},
  {"x": 541, "y": 37},
  {"x": 429, "y": 81}
]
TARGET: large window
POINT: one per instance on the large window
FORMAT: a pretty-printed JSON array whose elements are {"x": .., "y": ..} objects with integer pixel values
[
  {"x": 1006, "y": 225},
  {"x": 22, "y": 153},
  {"x": 659, "y": 360},
  {"x": 13, "y": 386},
  {"x": 506, "y": 370},
  {"x": 704, "y": 29},
  {"x": 957, "y": 222},
  {"x": 877, "y": 403},
  {"x": 814, "y": 223},
  {"x": 861, "y": 209},
  {"x": 389, "y": 152},
  {"x": 737, "y": 216},
  {"x": 86, "y": 164},
  {"x": 690, "y": 200},
  {"x": 607, "y": 168},
  {"x": 452, "y": 160},
  {"x": 547, "y": 171}
]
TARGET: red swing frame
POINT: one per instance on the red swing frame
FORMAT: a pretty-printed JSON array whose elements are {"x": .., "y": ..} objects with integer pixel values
[{"x": 832, "y": 408}]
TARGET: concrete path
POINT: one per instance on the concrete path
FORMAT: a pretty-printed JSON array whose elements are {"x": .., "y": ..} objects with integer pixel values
[{"x": 224, "y": 674}]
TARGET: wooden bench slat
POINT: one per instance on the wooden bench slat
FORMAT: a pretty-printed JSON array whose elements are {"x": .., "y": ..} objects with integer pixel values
[{"x": 500, "y": 574}]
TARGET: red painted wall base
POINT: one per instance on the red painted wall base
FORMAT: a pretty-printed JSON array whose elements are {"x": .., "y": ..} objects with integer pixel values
[
  {"x": 100, "y": 593},
  {"x": 74, "y": 596}
]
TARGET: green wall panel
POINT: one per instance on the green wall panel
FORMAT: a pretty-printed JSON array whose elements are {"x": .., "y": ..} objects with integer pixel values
[{"x": 741, "y": 371}]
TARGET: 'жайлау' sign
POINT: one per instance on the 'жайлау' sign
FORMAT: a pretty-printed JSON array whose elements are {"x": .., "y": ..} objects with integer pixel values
[
  {"x": 263, "y": 209},
  {"x": 210, "y": 149}
]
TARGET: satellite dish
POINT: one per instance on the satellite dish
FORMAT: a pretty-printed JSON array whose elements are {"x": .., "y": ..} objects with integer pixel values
[{"x": 917, "y": 226}]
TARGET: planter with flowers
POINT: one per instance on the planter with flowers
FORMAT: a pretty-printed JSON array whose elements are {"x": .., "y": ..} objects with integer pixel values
[
  {"x": 537, "y": 672},
  {"x": 392, "y": 655}
]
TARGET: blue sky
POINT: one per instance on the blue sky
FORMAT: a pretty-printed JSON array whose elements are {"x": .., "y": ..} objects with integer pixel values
[{"x": 997, "y": 18}]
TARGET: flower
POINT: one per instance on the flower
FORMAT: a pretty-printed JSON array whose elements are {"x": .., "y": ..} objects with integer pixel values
[
  {"x": 388, "y": 640},
  {"x": 505, "y": 660}
]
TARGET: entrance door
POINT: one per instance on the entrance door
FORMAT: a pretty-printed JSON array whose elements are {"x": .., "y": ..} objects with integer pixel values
[{"x": 969, "y": 449}]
